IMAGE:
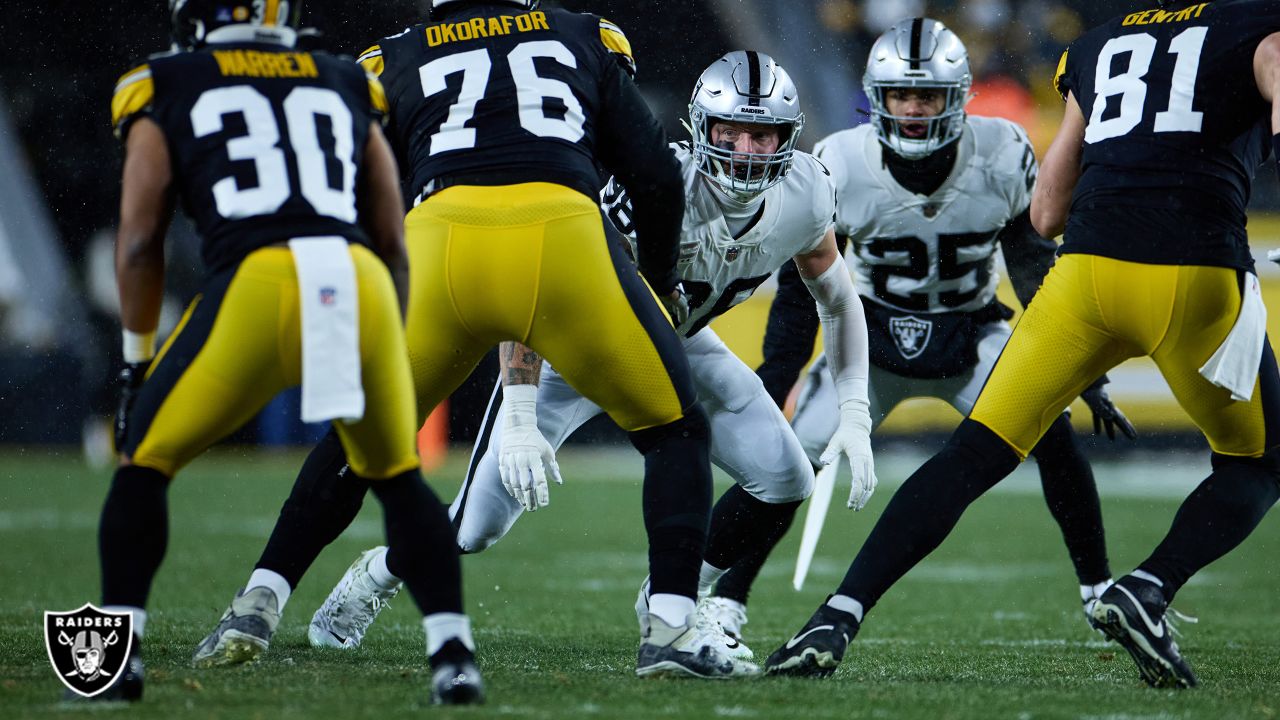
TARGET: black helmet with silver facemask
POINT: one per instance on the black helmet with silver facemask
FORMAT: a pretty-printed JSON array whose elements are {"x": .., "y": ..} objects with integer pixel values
[
  {"x": 918, "y": 53},
  {"x": 746, "y": 87}
]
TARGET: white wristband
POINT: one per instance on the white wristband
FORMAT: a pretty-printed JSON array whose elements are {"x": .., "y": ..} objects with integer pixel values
[
  {"x": 521, "y": 403},
  {"x": 138, "y": 347}
]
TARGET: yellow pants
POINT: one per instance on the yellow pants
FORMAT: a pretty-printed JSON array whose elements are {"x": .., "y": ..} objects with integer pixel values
[
  {"x": 239, "y": 344},
  {"x": 531, "y": 263},
  {"x": 1094, "y": 312}
]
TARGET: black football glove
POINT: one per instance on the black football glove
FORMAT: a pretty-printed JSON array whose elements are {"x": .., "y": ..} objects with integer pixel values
[
  {"x": 1105, "y": 412},
  {"x": 130, "y": 377}
]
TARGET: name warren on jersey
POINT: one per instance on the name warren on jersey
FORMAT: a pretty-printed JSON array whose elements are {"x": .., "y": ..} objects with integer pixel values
[
  {"x": 936, "y": 253},
  {"x": 719, "y": 270}
]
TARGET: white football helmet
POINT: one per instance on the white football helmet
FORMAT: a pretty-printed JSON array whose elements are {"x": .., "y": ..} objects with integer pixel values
[
  {"x": 918, "y": 53},
  {"x": 744, "y": 86}
]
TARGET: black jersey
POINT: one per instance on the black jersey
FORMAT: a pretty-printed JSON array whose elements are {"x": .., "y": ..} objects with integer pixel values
[
  {"x": 1175, "y": 130},
  {"x": 493, "y": 94},
  {"x": 266, "y": 142}
]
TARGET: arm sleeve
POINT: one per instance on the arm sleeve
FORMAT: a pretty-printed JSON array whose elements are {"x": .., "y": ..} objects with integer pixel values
[
  {"x": 790, "y": 332},
  {"x": 844, "y": 330},
  {"x": 633, "y": 146},
  {"x": 1027, "y": 256}
]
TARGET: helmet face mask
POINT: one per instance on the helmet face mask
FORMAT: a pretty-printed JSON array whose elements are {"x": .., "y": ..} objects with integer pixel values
[
  {"x": 193, "y": 20},
  {"x": 744, "y": 88},
  {"x": 923, "y": 54}
]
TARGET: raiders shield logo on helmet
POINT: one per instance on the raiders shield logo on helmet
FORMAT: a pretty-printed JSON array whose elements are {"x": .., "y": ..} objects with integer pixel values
[
  {"x": 88, "y": 647},
  {"x": 910, "y": 334}
]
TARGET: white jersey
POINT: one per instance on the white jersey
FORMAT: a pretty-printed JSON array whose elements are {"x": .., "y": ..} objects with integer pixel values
[
  {"x": 719, "y": 270},
  {"x": 937, "y": 253}
]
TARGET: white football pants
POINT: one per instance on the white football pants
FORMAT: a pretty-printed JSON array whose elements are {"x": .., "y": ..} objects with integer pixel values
[
  {"x": 818, "y": 412},
  {"x": 750, "y": 440}
]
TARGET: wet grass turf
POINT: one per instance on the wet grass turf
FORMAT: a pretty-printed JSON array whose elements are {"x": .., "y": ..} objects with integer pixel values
[{"x": 989, "y": 627}]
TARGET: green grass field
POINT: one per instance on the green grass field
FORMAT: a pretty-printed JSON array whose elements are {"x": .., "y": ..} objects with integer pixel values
[{"x": 989, "y": 627}]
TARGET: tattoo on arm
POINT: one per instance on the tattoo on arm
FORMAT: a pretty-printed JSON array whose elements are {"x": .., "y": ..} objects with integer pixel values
[{"x": 520, "y": 364}]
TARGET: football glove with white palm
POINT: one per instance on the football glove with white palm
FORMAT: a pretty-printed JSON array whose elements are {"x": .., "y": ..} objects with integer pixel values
[
  {"x": 853, "y": 440},
  {"x": 526, "y": 456}
]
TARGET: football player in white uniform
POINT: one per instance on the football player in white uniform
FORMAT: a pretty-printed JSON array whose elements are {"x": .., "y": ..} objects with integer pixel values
[
  {"x": 926, "y": 196},
  {"x": 753, "y": 202}
]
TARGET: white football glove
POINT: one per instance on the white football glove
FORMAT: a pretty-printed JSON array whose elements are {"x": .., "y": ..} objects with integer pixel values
[
  {"x": 526, "y": 455},
  {"x": 853, "y": 439}
]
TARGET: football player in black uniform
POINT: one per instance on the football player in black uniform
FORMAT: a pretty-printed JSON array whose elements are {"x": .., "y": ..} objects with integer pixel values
[
  {"x": 1149, "y": 175},
  {"x": 500, "y": 114},
  {"x": 279, "y": 158}
]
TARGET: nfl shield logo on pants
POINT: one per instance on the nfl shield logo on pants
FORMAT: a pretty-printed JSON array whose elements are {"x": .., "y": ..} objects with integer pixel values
[
  {"x": 910, "y": 334},
  {"x": 88, "y": 647}
]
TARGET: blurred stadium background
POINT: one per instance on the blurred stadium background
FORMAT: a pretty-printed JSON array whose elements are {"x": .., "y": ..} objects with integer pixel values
[{"x": 59, "y": 343}]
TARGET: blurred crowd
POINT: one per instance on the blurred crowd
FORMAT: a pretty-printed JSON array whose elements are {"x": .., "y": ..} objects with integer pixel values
[{"x": 56, "y": 87}]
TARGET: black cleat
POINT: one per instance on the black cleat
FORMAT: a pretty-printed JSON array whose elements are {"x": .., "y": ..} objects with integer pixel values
[
  {"x": 1132, "y": 612},
  {"x": 455, "y": 679},
  {"x": 815, "y": 651}
]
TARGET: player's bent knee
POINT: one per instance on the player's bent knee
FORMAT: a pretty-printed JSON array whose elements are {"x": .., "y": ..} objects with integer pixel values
[
  {"x": 694, "y": 425},
  {"x": 383, "y": 470},
  {"x": 1268, "y": 461}
]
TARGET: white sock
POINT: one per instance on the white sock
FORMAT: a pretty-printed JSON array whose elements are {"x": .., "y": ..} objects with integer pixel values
[
  {"x": 378, "y": 572},
  {"x": 707, "y": 578},
  {"x": 139, "y": 616},
  {"x": 1089, "y": 592},
  {"x": 273, "y": 581},
  {"x": 674, "y": 610},
  {"x": 1144, "y": 575},
  {"x": 847, "y": 604},
  {"x": 443, "y": 627}
]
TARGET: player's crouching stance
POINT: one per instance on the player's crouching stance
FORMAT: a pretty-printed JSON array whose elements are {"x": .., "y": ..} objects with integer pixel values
[
  {"x": 294, "y": 290},
  {"x": 752, "y": 203}
]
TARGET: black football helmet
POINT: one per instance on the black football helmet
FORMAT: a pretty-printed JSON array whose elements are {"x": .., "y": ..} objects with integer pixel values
[
  {"x": 438, "y": 6},
  {"x": 193, "y": 20}
]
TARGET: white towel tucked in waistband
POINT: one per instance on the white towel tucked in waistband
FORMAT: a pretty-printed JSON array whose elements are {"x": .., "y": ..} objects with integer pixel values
[
  {"x": 1234, "y": 364},
  {"x": 331, "y": 386}
]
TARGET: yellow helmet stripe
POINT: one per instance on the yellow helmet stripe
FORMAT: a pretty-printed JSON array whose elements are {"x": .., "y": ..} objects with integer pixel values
[{"x": 272, "y": 13}]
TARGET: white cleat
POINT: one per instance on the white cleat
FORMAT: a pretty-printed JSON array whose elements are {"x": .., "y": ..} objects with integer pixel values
[
  {"x": 1089, "y": 595},
  {"x": 694, "y": 650},
  {"x": 729, "y": 616},
  {"x": 351, "y": 607}
]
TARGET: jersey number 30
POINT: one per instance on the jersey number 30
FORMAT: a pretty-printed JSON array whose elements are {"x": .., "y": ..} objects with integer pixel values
[
  {"x": 261, "y": 145},
  {"x": 531, "y": 88},
  {"x": 1132, "y": 89}
]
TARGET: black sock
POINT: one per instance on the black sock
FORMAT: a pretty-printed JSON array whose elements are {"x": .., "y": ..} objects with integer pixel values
[
  {"x": 326, "y": 498},
  {"x": 744, "y": 530},
  {"x": 1072, "y": 497},
  {"x": 421, "y": 547},
  {"x": 133, "y": 535},
  {"x": 1215, "y": 518},
  {"x": 926, "y": 508},
  {"x": 677, "y": 500}
]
